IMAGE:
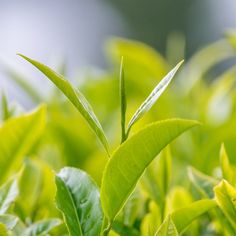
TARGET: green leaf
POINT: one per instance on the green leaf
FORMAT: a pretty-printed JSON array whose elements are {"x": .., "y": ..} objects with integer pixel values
[
  {"x": 203, "y": 183},
  {"x": 225, "y": 165},
  {"x": 152, "y": 98},
  {"x": 131, "y": 159},
  {"x": 17, "y": 137},
  {"x": 42, "y": 228},
  {"x": 123, "y": 103},
  {"x": 79, "y": 200},
  {"x": 9, "y": 221},
  {"x": 184, "y": 216},
  {"x": 152, "y": 220},
  {"x": 8, "y": 194},
  {"x": 142, "y": 62},
  {"x": 225, "y": 195},
  {"x": 25, "y": 85},
  {"x": 3, "y": 230},
  {"x": 6, "y": 112},
  {"x": 132, "y": 208},
  {"x": 156, "y": 179},
  {"x": 167, "y": 228},
  {"x": 124, "y": 230},
  {"x": 203, "y": 61},
  {"x": 75, "y": 96}
]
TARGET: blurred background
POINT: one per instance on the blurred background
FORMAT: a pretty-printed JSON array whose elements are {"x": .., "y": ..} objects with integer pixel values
[{"x": 75, "y": 30}]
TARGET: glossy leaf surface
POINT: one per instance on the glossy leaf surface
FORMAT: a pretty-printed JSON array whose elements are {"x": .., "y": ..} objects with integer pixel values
[
  {"x": 131, "y": 159},
  {"x": 79, "y": 200},
  {"x": 75, "y": 96},
  {"x": 152, "y": 98}
]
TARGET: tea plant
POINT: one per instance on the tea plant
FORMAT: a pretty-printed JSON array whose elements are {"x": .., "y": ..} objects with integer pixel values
[{"x": 128, "y": 191}]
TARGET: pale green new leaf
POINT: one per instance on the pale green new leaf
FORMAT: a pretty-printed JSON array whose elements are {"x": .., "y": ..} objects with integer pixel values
[
  {"x": 202, "y": 61},
  {"x": 42, "y": 228},
  {"x": 9, "y": 221},
  {"x": 167, "y": 228},
  {"x": 152, "y": 98},
  {"x": 152, "y": 220},
  {"x": 3, "y": 230},
  {"x": 75, "y": 96},
  {"x": 17, "y": 137},
  {"x": 184, "y": 216},
  {"x": 5, "y": 111},
  {"x": 227, "y": 172},
  {"x": 142, "y": 62},
  {"x": 25, "y": 85},
  {"x": 225, "y": 195},
  {"x": 79, "y": 200},
  {"x": 8, "y": 193},
  {"x": 156, "y": 179},
  {"x": 131, "y": 159},
  {"x": 203, "y": 183}
]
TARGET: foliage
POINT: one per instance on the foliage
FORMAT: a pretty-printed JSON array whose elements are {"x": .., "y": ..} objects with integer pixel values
[{"x": 158, "y": 177}]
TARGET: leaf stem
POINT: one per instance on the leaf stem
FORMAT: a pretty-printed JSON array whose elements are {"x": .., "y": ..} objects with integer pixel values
[{"x": 123, "y": 103}]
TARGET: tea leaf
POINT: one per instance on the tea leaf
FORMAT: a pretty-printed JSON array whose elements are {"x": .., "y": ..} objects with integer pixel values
[
  {"x": 167, "y": 228},
  {"x": 184, "y": 216},
  {"x": 156, "y": 179},
  {"x": 152, "y": 98},
  {"x": 3, "y": 230},
  {"x": 8, "y": 194},
  {"x": 75, "y": 96},
  {"x": 152, "y": 220},
  {"x": 6, "y": 112},
  {"x": 19, "y": 79},
  {"x": 131, "y": 159},
  {"x": 142, "y": 61},
  {"x": 123, "y": 104},
  {"x": 203, "y": 183},
  {"x": 225, "y": 195},
  {"x": 78, "y": 199},
  {"x": 9, "y": 221},
  {"x": 17, "y": 137},
  {"x": 42, "y": 227},
  {"x": 225, "y": 165}
]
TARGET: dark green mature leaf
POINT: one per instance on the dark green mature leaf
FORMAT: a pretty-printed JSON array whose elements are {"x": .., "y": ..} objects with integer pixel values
[
  {"x": 152, "y": 98},
  {"x": 124, "y": 230},
  {"x": 225, "y": 195},
  {"x": 184, "y": 216},
  {"x": 17, "y": 137},
  {"x": 8, "y": 194},
  {"x": 79, "y": 200},
  {"x": 42, "y": 228},
  {"x": 75, "y": 96},
  {"x": 167, "y": 228},
  {"x": 131, "y": 159},
  {"x": 123, "y": 103}
]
